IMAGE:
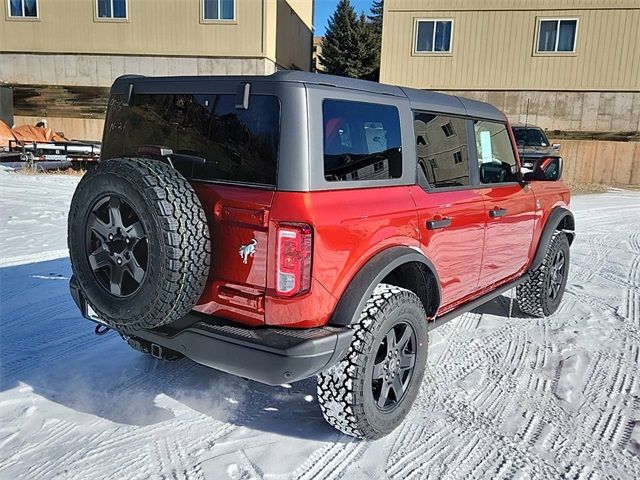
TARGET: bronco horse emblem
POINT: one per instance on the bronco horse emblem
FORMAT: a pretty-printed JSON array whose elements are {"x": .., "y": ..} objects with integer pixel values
[{"x": 248, "y": 250}]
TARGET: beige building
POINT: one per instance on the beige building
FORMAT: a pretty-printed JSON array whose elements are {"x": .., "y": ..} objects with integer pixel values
[
  {"x": 317, "y": 53},
  {"x": 61, "y": 56},
  {"x": 575, "y": 63}
]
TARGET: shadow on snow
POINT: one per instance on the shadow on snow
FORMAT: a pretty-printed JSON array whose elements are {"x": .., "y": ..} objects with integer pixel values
[{"x": 47, "y": 346}]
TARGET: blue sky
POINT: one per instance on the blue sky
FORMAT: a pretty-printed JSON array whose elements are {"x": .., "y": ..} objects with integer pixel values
[{"x": 325, "y": 8}]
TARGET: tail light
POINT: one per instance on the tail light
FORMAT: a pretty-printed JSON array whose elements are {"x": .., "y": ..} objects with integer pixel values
[{"x": 294, "y": 259}]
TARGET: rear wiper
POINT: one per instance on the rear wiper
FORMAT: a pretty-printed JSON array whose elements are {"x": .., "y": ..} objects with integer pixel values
[{"x": 168, "y": 154}]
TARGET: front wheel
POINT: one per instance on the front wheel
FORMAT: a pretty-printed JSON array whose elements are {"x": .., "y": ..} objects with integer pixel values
[
  {"x": 369, "y": 392},
  {"x": 540, "y": 296}
]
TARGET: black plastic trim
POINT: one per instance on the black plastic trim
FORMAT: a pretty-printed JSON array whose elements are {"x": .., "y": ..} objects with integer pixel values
[
  {"x": 369, "y": 276},
  {"x": 268, "y": 355},
  {"x": 557, "y": 215}
]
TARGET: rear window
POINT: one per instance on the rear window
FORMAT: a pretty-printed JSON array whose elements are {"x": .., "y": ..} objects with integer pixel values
[
  {"x": 218, "y": 141},
  {"x": 361, "y": 141}
]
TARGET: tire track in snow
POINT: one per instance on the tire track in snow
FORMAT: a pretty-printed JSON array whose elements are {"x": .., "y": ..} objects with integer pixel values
[
  {"x": 330, "y": 462},
  {"x": 492, "y": 405}
]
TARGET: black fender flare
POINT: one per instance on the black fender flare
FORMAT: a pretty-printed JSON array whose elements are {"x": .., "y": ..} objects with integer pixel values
[
  {"x": 361, "y": 287},
  {"x": 557, "y": 216}
]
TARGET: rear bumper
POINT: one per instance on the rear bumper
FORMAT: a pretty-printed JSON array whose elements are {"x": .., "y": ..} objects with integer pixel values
[{"x": 264, "y": 354}]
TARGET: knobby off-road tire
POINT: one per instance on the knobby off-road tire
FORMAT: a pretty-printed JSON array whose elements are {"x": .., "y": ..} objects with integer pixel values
[
  {"x": 347, "y": 391},
  {"x": 138, "y": 222},
  {"x": 540, "y": 296}
]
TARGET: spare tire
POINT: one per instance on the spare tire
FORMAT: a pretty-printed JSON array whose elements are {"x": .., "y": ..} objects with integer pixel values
[{"x": 139, "y": 243}]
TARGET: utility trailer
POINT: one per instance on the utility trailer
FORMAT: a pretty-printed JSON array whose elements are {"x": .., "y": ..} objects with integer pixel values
[{"x": 72, "y": 154}]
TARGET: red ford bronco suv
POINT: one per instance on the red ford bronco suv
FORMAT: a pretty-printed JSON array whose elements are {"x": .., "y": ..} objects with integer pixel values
[{"x": 298, "y": 224}]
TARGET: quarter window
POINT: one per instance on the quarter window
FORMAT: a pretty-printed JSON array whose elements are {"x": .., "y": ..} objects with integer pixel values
[
  {"x": 219, "y": 9},
  {"x": 433, "y": 36},
  {"x": 23, "y": 8},
  {"x": 361, "y": 141},
  {"x": 557, "y": 35},
  {"x": 112, "y": 8},
  {"x": 496, "y": 159},
  {"x": 444, "y": 160}
]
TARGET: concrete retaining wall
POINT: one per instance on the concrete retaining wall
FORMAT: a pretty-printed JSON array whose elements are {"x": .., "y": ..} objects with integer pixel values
[
  {"x": 566, "y": 111},
  {"x": 102, "y": 70}
]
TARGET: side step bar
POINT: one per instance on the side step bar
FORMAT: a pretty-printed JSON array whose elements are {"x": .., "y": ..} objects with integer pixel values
[{"x": 467, "y": 307}]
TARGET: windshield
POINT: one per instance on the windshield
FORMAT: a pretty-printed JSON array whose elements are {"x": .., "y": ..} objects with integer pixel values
[{"x": 530, "y": 137}]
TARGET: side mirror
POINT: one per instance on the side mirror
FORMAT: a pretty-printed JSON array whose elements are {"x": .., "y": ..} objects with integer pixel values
[
  {"x": 546, "y": 169},
  {"x": 556, "y": 147}
]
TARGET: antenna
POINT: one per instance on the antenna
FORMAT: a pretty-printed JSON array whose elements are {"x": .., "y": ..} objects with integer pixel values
[{"x": 526, "y": 128}]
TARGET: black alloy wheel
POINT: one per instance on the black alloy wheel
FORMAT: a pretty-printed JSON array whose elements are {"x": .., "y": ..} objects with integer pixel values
[
  {"x": 393, "y": 366},
  {"x": 117, "y": 246},
  {"x": 556, "y": 275}
]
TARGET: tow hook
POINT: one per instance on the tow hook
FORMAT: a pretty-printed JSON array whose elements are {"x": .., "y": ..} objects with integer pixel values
[
  {"x": 101, "y": 329},
  {"x": 156, "y": 351}
]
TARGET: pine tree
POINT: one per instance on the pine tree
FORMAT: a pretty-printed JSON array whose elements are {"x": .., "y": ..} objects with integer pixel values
[
  {"x": 340, "y": 43},
  {"x": 351, "y": 45},
  {"x": 375, "y": 24},
  {"x": 376, "y": 17},
  {"x": 369, "y": 50}
]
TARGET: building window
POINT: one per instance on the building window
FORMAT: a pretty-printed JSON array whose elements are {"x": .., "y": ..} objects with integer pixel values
[
  {"x": 556, "y": 35},
  {"x": 219, "y": 10},
  {"x": 23, "y": 8},
  {"x": 112, "y": 9},
  {"x": 433, "y": 36},
  {"x": 457, "y": 157},
  {"x": 448, "y": 129}
]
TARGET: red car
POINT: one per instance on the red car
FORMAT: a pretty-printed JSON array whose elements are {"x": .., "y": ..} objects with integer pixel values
[{"x": 299, "y": 224}]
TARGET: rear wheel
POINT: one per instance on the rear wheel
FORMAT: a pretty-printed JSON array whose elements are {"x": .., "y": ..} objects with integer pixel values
[
  {"x": 541, "y": 295},
  {"x": 139, "y": 243},
  {"x": 370, "y": 391}
]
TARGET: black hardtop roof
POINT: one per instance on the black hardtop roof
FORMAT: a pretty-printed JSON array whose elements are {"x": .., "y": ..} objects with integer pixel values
[{"x": 420, "y": 99}]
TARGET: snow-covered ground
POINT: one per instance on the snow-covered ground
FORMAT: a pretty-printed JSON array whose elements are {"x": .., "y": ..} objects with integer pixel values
[{"x": 503, "y": 397}]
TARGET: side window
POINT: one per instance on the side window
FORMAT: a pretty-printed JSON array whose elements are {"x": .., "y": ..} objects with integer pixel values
[
  {"x": 361, "y": 141},
  {"x": 442, "y": 150},
  {"x": 496, "y": 158}
]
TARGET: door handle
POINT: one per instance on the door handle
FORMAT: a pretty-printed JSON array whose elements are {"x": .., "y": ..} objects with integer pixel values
[
  {"x": 437, "y": 224},
  {"x": 497, "y": 212}
]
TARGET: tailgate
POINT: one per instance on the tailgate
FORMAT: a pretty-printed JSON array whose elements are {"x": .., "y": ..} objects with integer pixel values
[{"x": 238, "y": 222}]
